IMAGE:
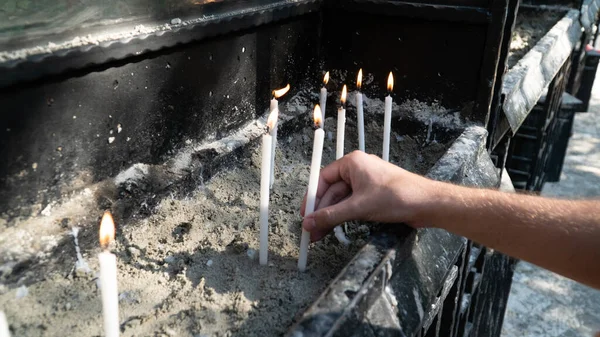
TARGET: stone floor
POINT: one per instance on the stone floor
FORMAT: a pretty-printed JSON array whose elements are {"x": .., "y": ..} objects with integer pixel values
[{"x": 542, "y": 303}]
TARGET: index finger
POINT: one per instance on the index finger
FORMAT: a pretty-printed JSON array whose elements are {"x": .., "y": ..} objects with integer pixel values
[{"x": 328, "y": 176}]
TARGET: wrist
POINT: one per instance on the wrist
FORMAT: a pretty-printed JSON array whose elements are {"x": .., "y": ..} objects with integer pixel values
[{"x": 434, "y": 199}]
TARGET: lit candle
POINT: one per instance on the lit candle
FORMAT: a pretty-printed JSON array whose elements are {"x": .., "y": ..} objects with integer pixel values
[
  {"x": 360, "y": 119},
  {"x": 387, "y": 119},
  {"x": 265, "y": 175},
  {"x": 273, "y": 132},
  {"x": 339, "y": 153},
  {"x": 323, "y": 97},
  {"x": 341, "y": 126},
  {"x": 4, "y": 332},
  {"x": 313, "y": 184},
  {"x": 108, "y": 277}
]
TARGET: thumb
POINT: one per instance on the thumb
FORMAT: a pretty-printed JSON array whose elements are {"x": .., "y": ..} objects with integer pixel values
[{"x": 324, "y": 219}]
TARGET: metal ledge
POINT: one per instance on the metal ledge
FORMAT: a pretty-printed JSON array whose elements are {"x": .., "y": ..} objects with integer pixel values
[
  {"x": 524, "y": 84},
  {"x": 414, "y": 265},
  {"x": 37, "y": 65}
]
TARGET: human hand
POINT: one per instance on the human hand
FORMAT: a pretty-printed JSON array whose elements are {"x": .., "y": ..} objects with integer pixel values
[{"x": 360, "y": 186}]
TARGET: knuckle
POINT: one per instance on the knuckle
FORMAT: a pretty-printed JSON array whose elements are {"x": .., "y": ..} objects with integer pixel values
[
  {"x": 328, "y": 216},
  {"x": 355, "y": 156}
]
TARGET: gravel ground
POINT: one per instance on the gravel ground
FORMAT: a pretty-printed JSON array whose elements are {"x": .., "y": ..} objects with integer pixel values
[{"x": 542, "y": 303}]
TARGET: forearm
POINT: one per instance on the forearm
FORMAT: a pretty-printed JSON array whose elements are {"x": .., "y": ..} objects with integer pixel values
[{"x": 559, "y": 235}]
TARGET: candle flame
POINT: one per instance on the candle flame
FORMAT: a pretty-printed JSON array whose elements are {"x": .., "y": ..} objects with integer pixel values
[
  {"x": 280, "y": 92},
  {"x": 107, "y": 230},
  {"x": 272, "y": 119},
  {"x": 390, "y": 84},
  {"x": 326, "y": 79},
  {"x": 318, "y": 117},
  {"x": 344, "y": 92},
  {"x": 359, "y": 79}
]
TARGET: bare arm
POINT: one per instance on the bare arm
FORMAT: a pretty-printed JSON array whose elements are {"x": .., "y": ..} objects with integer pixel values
[{"x": 559, "y": 235}]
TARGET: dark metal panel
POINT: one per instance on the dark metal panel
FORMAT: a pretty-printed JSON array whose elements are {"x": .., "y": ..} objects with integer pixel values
[
  {"x": 442, "y": 62},
  {"x": 204, "y": 90},
  {"x": 43, "y": 64},
  {"x": 491, "y": 58},
  {"x": 436, "y": 10},
  {"x": 497, "y": 120}
]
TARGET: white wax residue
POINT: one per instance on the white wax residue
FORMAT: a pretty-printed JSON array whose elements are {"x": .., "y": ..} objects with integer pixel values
[
  {"x": 81, "y": 265},
  {"x": 340, "y": 235}
]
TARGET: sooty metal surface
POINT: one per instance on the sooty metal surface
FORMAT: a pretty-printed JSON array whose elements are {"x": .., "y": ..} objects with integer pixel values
[
  {"x": 397, "y": 284},
  {"x": 525, "y": 82},
  {"x": 205, "y": 90},
  {"x": 456, "y": 58},
  {"x": 41, "y": 61}
]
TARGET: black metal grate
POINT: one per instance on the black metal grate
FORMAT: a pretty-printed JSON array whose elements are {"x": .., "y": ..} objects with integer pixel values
[{"x": 473, "y": 298}]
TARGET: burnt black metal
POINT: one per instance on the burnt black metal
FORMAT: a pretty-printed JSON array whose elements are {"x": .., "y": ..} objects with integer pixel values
[
  {"x": 578, "y": 63},
  {"x": 500, "y": 153},
  {"x": 444, "y": 10},
  {"x": 419, "y": 283},
  {"x": 524, "y": 83},
  {"x": 497, "y": 120},
  {"x": 494, "y": 56},
  {"x": 469, "y": 37},
  {"x": 584, "y": 92},
  {"x": 185, "y": 93},
  {"x": 102, "y": 54},
  {"x": 531, "y": 146},
  {"x": 563, "y": 128}
]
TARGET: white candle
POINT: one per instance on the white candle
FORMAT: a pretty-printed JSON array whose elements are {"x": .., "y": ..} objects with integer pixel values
[
  {"x": 341, "y": 126},
  {"x": 360, "y": 119},
  {"x": 323, "y": 96},
  {"x": 264, "y": 198},
  {"x": 4, "y": 331},
  {"x": 339, "y": 153},
  {"x": 273, "y": 130},
  {"x": 265, "y": 175},
  {"x": 108, "y": 278},
  {"x": 273, "y": 133},
  {"x": 387, "y": 120},
  {"x": 313, "y": 184}
]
